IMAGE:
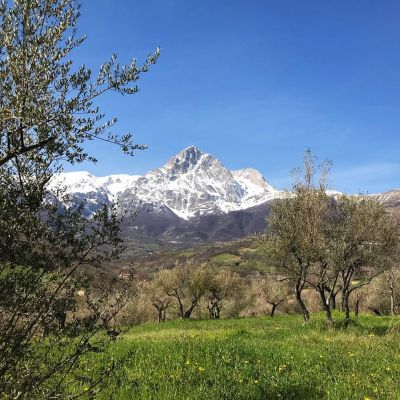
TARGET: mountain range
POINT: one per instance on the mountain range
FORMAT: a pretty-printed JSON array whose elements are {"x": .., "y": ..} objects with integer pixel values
[
  {"x": 192, "y": 198},
  {"x": 190, "y": 184}
]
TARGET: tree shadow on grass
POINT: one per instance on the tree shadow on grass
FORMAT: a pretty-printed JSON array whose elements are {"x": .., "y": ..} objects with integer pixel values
[
  {"x": 293, "y": 391},
  {"x": 379, "y": 329}
]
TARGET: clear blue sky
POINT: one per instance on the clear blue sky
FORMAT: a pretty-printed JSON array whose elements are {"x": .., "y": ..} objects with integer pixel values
[{"x": 255, "y": 83}]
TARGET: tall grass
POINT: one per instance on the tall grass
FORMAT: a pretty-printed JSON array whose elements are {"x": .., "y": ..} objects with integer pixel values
[{"x": 258, "y": 358}]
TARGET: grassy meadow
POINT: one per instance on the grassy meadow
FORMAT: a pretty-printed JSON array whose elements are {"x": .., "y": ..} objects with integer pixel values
[{"x": 257, "y": 358}]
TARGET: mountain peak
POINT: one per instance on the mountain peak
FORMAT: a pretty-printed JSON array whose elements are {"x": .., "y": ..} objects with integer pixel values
[
  {"x": 191, "y": 152},
  {"x": 185, "y": 160},
  {"x": 252, "y": 175},
  {"x": 191, "y": 183}
]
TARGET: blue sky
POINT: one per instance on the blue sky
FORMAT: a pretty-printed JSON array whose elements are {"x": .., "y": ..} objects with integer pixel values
[{"x": 256, "y": 83}]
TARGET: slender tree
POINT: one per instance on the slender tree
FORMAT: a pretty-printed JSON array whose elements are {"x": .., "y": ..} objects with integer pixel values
[
  {"x": 392, "y": 280},
  {"x": 295, "y": 234},
  {"x": 222, "y": 285},
  {"x": 154, "y": 291},
  {"x": 187, "y": 283},
  {"x": 270, "y": 290}
]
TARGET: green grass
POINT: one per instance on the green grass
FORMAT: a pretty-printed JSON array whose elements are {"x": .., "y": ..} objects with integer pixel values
[
  {"x": 226, "y": 259},
  {"x": 259, "y": 358}
]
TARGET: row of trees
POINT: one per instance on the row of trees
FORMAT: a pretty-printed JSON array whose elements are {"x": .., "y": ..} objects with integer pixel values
[
  {"x": 202, "y": 290},
  {"x": 333, "y": 245},
  {"x": 187, "y": 284}
]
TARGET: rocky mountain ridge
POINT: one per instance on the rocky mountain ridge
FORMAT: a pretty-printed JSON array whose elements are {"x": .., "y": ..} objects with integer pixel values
[{"x": 190, "y": 184}]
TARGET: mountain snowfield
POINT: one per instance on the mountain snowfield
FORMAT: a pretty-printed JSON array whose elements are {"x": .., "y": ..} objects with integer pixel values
[{"x": 190, "y": 184}]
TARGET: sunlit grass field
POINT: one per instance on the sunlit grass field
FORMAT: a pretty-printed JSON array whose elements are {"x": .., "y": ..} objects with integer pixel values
[{"x": 258, "y": 358}]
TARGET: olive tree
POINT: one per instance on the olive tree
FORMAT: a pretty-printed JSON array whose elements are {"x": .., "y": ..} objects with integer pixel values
[
  {"x": 331, "y": 244},
  {"x": 269, "y": 290},
  {"x": 48, "y": 111},
  {"x": 222, "y": 286},
  {"x": 364, "y": 243},
  {"x": 154, "y": 292},
  {"x": 295, "y": 236},
  {"x": 187, "y": 283},
  {"x": 391, "y": 279},
  {"x": 47, "y": 105}
]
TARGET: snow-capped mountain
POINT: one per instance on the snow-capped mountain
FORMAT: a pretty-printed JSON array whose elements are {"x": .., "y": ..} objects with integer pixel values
[
  {"x": 190, "y": 184},
  {"x": 192, "y": 199}
]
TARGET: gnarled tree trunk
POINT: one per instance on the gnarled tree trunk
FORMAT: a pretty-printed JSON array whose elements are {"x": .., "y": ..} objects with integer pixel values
[{"x": 301, "y": 304}]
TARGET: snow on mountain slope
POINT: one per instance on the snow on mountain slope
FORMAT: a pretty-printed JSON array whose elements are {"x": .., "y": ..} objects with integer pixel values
[
  {"x": 191, "y": 183},
  {"x": 256, "y": 189},
  {"x": 390, "y": 198},
  {"x": 83, "y": 182}
]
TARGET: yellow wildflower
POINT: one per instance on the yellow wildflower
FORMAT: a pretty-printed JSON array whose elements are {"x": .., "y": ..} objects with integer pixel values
[{"x": 282, "y": 367}]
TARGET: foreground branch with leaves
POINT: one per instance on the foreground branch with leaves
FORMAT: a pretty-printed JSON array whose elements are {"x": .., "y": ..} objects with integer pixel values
[{"x": 48, "y": 112}]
